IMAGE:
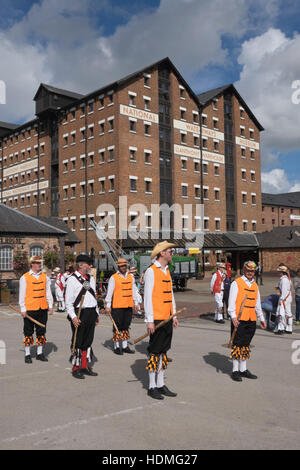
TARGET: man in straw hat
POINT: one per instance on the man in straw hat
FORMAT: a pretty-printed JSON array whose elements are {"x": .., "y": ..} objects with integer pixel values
[
  {"x": 35, "y": 299},
  {"x": 246, "y": 324},
  {"x": 82, "y": 308},
  {"x": 159, "y": 304},
  {"x": 217, "y": 289},
  {"x": 122, "y": 296},
  {"x": 284, "y": 309},
  {"x": 59, "y": 290}
]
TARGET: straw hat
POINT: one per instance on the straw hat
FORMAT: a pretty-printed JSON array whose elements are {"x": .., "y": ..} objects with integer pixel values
[
  {"x": 122, "y": 262},
  {"x": 133, "y": 269},
  {"x": 35, "y": 259},
  {"x": 250, "y": 265},
  {"x": 56, "y": 270},
  {"x": 283, "y": 269},
  {"x": 161, "y": 246},
  {"x": 221, "y": 265}
]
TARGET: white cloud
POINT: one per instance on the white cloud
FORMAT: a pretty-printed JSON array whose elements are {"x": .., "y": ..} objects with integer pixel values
[
  {"x": 270, "y": 65},
  {"x": 276, "y": 181},
  {"x": 58, "y": 41}
]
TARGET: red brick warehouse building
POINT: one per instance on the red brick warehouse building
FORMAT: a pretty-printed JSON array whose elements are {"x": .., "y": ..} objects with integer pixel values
[{"x": 148, "y": 137}]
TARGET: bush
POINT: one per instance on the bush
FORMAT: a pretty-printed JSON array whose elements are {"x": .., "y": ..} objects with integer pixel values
[
  {"x": 20, "y": 263},
  {"x": 51, "y": 259}
]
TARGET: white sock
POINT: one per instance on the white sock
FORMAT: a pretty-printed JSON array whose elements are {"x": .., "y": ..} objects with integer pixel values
[
  {"x": 124, "y": 344},
  {"x": 116, "y": 344},
  {"x": 160, "y": 375},
  {"x": 39, "y": 349},
  {"x": 27, "y": 350},
  {"x": 243, "y": 366},
  {"x": 152, "y": 382},
  {"x": 235, "y": 365}
]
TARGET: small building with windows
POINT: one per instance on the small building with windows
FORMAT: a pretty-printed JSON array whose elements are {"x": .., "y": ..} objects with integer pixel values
[{"x": 20, "y": 232}]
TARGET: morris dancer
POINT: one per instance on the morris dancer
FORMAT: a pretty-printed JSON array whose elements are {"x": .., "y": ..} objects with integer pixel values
[
  {"x": 246, "y": 326},
  {"x": 122, "y": 296},
  {"x": 284, "y": 309},
  {"x": 35, "y": 298},
  {"x": 159, "y": 304},
  {"x": 217, "y": 289},
  {"x": 80, "y": 284},
  {"x": 60, "y": 290}
]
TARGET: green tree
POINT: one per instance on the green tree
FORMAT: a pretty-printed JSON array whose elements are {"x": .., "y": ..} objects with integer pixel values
[
  {"x": 20, "y": 263},
  {"x": 51, "y": 258}
]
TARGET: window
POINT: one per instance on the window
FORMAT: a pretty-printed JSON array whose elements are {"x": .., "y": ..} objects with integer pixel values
[
  {"x": 182, "y": 114},
  {"x": 36, "y": 250},
  {"x": 111, "y": 155},
  {"x": 251, "y": 134},
  {"x": 204, "y": 120},
  {"x": 132, "y": 126},
  {"x": 132, "y": 154},
  {"x": 205, "y": 168},
  {"x": 147, "y": 157},
  {"x": 132, "y": 184},
  {"x": 217, "y": 224},
  {"x": 183, "y": 164},
  {"x": 244, "y": 198},
  {"x": 242, "y": 131},
  {"x": 217, "y": 195},
  {"x": 183, "y": 138},
  {"x": 131, "y": 100},
  {"x": 112, "y": 184},
  {"x": 252, "y": 175},
  {"x": 244, "y": 175},
  {"x": 147, "y": 129},
  {"x": 184, "y": 190},
  {"x": 216, "y": 146},
  {"x": 147, "y": 103},
  {"x": 90, "y": 107},
  {"x": 148, "y": 186},
  {"x": 6, "y": 258},
  {"x": 244, "y": 226},
  {"x": 217, "y": 170},
  {"x": 197, "y": 167},
  {"x": 204, "y": 143},
  {"x": 253, "y": 226},
  {"x": 196, "y": 141}
]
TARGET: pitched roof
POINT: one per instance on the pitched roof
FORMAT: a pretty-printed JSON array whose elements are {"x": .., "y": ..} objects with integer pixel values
[
  {"x": 212, "y": 240},
  {"x": 13, "y": 221},
  {"x": 209, "y": 95},
  {"x": 61, "y": 224},
  {"x": 280, "y": 237},
  {"x": 58, "y": 91},
  {"x": 284, "y": 199}
]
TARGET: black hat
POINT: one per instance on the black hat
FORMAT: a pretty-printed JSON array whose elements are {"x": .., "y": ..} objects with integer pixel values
[{"x": 83, "y": 259}]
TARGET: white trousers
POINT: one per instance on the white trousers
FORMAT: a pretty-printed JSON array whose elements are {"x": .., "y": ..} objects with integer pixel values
[
  {"x": 219, "y": 306},
  {"x": 60, "y": 298},
  {"x": 285, "y": 316}
]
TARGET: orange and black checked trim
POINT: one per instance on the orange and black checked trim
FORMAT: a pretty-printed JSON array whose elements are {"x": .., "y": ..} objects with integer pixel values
[
  {"x": 240, "y": 354},
  {"x": 41, "y": 340},
  {"x": 28, "y": 341},
  {"x": 152, "y": 364}
]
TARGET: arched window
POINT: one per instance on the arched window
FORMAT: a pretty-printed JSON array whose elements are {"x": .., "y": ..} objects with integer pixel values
[
  {"x": 36, "y": 250},
  {"x": 6, "y": 258}
]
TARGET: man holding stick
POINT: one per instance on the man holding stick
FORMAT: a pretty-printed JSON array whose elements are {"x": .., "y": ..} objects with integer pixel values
[
  {"x": 159, "y": 304},
  {"x": 122, "y": 296},
  {"x": 82, "y": 308},
  {"x": 244, "y": 313},
  {"x": 35, "y": 298}
]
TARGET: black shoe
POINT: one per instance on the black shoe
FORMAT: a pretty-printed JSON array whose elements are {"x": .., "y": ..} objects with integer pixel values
[
  {"x": 165, "y": 391},
  {"x": 278, "y": 332},
  {"x": 220, "y": 321},
  {"x": 169, "y": 359},
  {"x": 41, "y": 357},
  {"x": 236, "y": 376},
  {"x": 88, "y": 371},
  {"x": 118, "y": 351},
  {"x": 154, "y": 393},
  {"x": 28, "y": 360},
  {"x": 247, "y": 374},
  {"x": 128, "y": 350},
  {"x": 288, "y": 332},
  {"x": 77, "y": 374}
]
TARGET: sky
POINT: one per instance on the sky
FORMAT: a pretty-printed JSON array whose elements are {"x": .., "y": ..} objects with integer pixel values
[{"x": 82, "y": 45}]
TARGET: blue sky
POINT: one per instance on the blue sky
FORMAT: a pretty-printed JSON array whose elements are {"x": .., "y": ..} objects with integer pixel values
[{"x": 83, "y": 44}]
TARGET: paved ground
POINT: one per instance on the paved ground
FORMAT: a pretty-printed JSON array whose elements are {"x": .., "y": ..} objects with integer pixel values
[{"x": 43, "y": 407}]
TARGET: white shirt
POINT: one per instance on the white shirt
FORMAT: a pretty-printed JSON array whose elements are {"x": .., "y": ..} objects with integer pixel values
[
  {"x": 111, "y": 288},
  {"x": 73, "y": 287},
  {"x": 233, "y": 296},
  {"x": 285, "y": 289},
  {"x": 22, "y": 290},
  {"x": 60, "y": 280},
  {"x": 213, "y": 280},
  {"x": 148, "y": 290}
]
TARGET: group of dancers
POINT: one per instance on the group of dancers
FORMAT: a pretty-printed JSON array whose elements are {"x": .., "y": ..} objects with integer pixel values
[{"x": 122, "y": 297}]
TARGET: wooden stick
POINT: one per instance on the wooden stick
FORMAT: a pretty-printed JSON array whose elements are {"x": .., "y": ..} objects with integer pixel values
[
  {"x": 78, "y": 316},
  {"x": 235, "y": 328},
  {"x": 28, "y": 316},
  {"x": 114, "y": 323},
  {"x": 158, "y": 326}
]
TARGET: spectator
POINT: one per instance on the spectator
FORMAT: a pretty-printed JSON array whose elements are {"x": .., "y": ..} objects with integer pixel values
[{"x": 296, "y": 284}]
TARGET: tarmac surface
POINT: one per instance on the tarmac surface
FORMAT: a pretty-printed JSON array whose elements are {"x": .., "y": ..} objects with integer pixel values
[{"x": 44, "y": 407}]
